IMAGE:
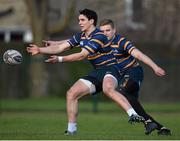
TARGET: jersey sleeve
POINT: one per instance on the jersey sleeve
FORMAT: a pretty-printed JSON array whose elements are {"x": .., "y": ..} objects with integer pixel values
[
  {"x": 75, "y": 40},
  {"x": 96, "y": 43}
]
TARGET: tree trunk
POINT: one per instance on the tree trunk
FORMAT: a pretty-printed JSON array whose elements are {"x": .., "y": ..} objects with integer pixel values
[{"x": 38, "y": 13}]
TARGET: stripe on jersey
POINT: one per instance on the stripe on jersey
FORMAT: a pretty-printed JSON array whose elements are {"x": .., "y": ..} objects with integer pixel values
[
  {"x": 89, "y": 49},
  {"x": 119, "y": 42},
  {"x": 97, "y": 41},
  {"x": 114, "y": 46},
  {"x": 126, "y": 44},
  {"x": 130, "y": 64},
  {"x": 102, "y": 63},
  {"x": 131, "y": 49},
  {"x": 124, "y": 59},
  {"x": 99, "y": 55}
]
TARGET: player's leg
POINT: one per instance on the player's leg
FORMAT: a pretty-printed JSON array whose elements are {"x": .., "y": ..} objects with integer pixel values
[
  {"x": 150, "y": 123},
  {"x": 109, "y": 85},
  {"x": 130, "y": 89},
  {"x": 84, "y": 86},
  {"x": 81, "y": 88},
  {"x": 109, "y": 88}
]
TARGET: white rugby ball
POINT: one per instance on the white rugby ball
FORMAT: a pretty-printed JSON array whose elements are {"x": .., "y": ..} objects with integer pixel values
[{"x": 12, "y": 57}]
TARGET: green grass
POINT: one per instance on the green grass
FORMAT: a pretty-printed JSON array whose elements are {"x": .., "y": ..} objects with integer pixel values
[{"x": 45, "y": 119}]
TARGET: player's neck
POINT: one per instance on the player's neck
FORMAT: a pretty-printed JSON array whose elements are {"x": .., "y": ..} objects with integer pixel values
[{"x": 89, "y": 31}]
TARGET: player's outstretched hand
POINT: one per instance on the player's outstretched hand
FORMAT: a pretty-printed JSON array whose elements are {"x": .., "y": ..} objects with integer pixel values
[
  {"x": 33, "y": 49},
  {"x": 49, "y": 43},
  {"x": 159, "y": 71},
  {"x": 52, "y": 59}
]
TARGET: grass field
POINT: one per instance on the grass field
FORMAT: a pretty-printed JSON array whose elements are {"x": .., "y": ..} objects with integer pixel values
[{"x": 45, "y": 119}]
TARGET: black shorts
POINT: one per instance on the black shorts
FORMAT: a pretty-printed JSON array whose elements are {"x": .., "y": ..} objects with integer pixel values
[
  {"x": 130, "y": 81},
  {"x": 96, "y": 76}
]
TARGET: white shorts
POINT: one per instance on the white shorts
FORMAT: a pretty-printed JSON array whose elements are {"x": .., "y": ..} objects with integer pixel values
[
  {"x": 110, "y": 75},
  {"x": 92, "y": 87},
  {"x": 89, "y": 84}
]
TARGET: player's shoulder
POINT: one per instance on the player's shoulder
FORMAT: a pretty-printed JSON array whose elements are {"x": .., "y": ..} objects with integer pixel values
[
  {"x": 78, "y": 33},
  {"x": 77, "y": 36},
  {"x": 98, "y": 34},
  {"x": 119, "y": 38}
]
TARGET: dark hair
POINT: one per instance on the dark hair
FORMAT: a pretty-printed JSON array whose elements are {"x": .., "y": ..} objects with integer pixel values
[
  {"x": 90, "y": 14},
  {"x": 107, "y": 22}
]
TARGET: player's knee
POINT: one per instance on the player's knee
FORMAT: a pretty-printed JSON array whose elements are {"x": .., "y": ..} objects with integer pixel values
[
  {"x": 108, "y": 90},
  {"x": 74, "y": 94},
  {"x": 71, "y": 95}
]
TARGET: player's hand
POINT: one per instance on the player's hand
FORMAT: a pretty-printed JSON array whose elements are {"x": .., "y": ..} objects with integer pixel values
[
  {"x": 33, "y": 49},
  {"x": 159, "y": 71},
  {"x": 49, "y": 43},
  {"x": 52, "y": 59}
]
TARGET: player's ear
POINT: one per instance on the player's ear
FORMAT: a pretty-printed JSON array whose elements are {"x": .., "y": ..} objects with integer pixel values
[
  {"x": 114, "y": 30},
  {"x": 92, "y": 21}
]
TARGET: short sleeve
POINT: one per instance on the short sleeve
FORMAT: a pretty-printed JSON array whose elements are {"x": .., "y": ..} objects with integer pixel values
[
  {"x": 75, "y": 40},
  {"x": 96, "y": 43}
]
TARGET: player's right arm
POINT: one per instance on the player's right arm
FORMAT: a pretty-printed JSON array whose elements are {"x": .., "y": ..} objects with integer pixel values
[
  {"x": 50, "y": 43},
  {"x": 136, "y": 53},
  {"x": 52, "y": 49}
]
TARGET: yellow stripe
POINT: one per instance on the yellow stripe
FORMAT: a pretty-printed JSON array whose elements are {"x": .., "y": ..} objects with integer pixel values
[
  {"x": 89, "y": 49},
  {"x": 94, "y": 57},
  {"x": 121, "y": 60},
  {"x": 95, "y": 40},
  {"x": 107, "y": 45},
  {"x": 99, "y": 55},
  {"x": 111, "y": 64},
  {"x": 120, "y": 41},
  {"x": 126, "y": 44},
  {"x": 114, "y": 46},
  {"x": 105, "y": 62},
  {"x": 118, "y": 55},
  {"x": 128, "y": 65},
  {"x": 131, "y": 49}
]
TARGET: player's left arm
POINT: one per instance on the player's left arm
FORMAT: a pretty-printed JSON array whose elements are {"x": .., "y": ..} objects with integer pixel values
[
  {"x": 147, "y": 60},
  {"x": 68, "y": 58}
]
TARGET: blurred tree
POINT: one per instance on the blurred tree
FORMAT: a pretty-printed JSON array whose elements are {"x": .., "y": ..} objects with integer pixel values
[
  {"x": 38, "y": 13},
  {"x": 163, "y": 21}
]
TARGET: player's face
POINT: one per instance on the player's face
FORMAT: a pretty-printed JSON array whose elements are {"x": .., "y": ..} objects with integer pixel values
[
  {"x": 84, "y": 23},
  {"x": 108, "y": 31}
]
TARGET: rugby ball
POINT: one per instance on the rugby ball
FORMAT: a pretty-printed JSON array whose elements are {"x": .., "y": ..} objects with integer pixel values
[{"x": 12, "y": 57}]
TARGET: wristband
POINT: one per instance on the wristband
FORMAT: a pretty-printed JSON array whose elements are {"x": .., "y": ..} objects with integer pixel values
[{"x": 60, "y": 59}]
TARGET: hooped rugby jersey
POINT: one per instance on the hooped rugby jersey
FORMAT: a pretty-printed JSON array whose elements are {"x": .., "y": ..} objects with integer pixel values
[
  {"x": 97, "y": 44},
  {"x": 122, "y": 50}
]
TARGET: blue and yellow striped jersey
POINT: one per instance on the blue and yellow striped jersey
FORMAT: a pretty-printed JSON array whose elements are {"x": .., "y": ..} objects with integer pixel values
[
  {"x": 98, "y": 46},
  {"x": 122, "y": 51}
]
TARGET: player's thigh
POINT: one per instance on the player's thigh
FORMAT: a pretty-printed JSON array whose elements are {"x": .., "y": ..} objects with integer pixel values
[
  {"x": 78, "y": 89},
  {"x": 109, "y": 82}
]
